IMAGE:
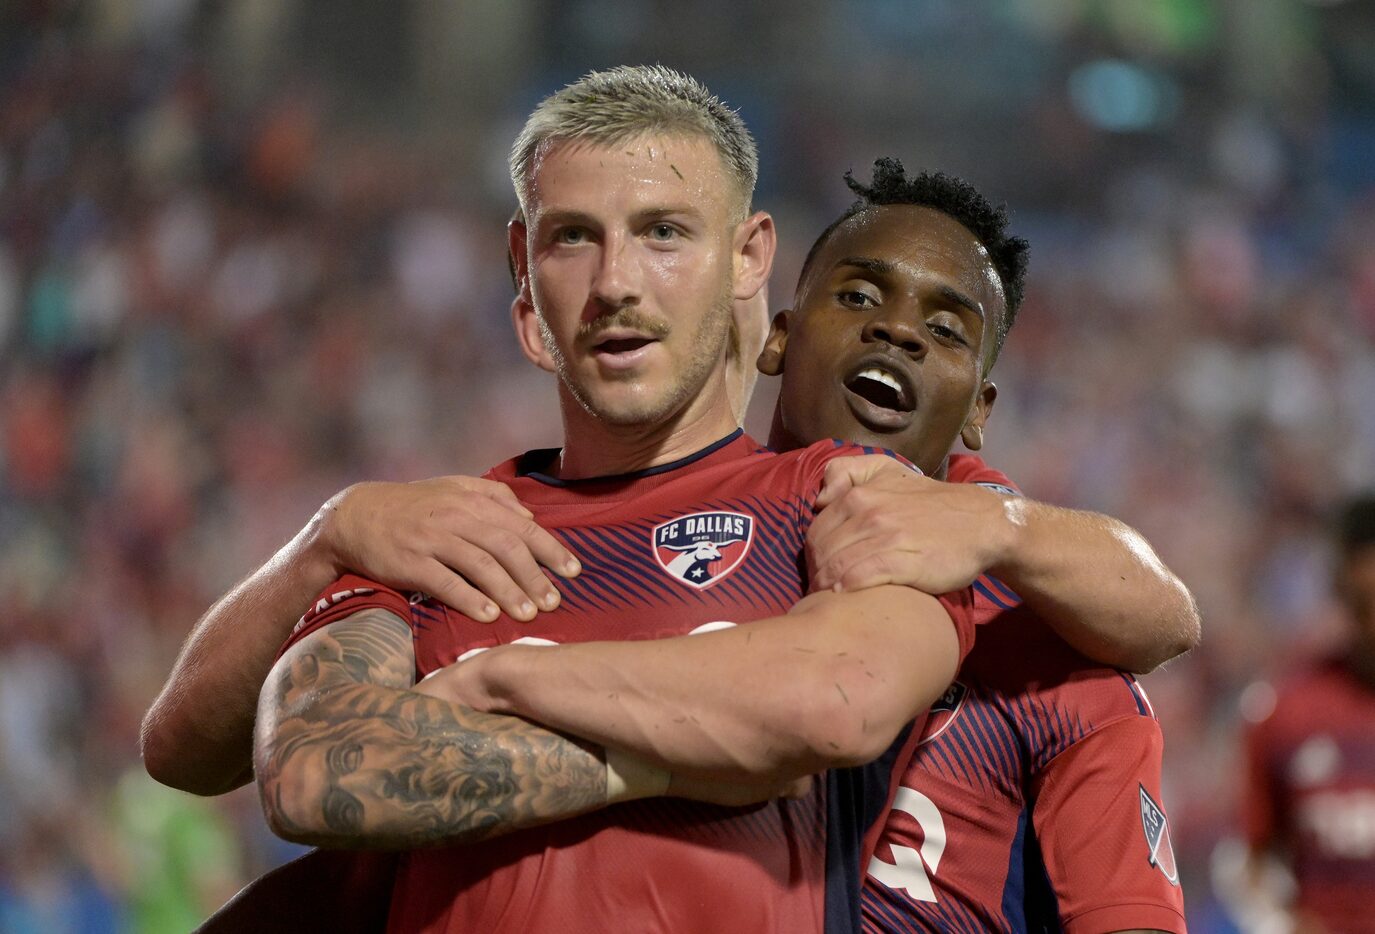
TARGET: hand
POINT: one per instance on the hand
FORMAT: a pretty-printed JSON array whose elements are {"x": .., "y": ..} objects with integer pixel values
[
  {"x": 881, "y": 523},
  {"x": 466, "y": 541},
  {"x": 459, "y": 683},
  {"x": 730, "y": 794}
]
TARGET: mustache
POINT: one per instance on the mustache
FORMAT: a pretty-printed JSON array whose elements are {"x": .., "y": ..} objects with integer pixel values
[{"x": 627, "y": 318}]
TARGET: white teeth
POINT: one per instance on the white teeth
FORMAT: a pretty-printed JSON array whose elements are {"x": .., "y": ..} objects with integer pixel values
[{"x": 879, "y": 376}]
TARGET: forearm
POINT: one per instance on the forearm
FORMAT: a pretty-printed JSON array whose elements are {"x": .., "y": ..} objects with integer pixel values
[
  {"x": 198, "y": 734},
  {"x": 829, "y": 684},
  {"x": 1099, "y": 584},
  {"x": 372, "y": 766}
]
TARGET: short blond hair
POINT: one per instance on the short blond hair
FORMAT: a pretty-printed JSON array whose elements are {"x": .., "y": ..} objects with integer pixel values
[{"x": 610, "y": 107}]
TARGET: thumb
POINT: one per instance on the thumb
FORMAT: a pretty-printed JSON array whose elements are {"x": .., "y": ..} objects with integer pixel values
[{"x": 845, "y": 473}]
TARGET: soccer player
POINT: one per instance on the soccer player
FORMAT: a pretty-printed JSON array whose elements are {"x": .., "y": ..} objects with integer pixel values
[
  {"x": 1309, "y": 797},
  {"x": 636, "y": 187}
]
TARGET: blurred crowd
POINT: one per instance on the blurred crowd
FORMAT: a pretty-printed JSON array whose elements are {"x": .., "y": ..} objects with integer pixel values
[{"x": 218, "y": 306}]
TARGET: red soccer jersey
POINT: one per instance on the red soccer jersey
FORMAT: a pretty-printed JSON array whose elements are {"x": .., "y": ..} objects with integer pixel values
[
  {"x": 1310, "y": 792},
  {"x": 1033, "y": 799},
  {"x": 715, "y": 537}
]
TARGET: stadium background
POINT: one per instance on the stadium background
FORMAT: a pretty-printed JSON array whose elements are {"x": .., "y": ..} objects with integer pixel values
[{"x": 251, "y": 251}]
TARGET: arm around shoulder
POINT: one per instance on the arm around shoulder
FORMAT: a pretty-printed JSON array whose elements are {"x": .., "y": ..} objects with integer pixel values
[{"x": 1099, "y": 584}]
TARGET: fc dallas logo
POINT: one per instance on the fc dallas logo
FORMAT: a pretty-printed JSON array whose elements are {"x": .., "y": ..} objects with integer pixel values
[{"x": 701, "y": 548}]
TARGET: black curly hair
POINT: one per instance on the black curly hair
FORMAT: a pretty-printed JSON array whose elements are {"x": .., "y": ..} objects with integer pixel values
[{"x": 960, "y": 200}]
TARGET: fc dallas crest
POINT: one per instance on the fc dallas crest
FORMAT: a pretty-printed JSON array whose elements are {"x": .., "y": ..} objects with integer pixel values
[{"x": 701, "y": 548}]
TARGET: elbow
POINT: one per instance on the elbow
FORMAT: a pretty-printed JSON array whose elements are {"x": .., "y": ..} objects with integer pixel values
[
  {"x": 167, "y": 762},
  {"x": 850, "y": 722},
  {"x": 1184, "y": 636},
  {"x": 160, "y": 759}
]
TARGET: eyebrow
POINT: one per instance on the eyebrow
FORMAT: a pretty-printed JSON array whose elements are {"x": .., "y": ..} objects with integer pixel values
[
  {"x": 582, "y": 219},
  {"x": 877, "y": 266},
  {"x": 882, "y": 267}
]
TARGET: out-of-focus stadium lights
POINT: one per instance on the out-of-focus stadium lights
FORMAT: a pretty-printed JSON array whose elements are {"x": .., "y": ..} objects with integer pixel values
[{"x": 1120, "y": 97}]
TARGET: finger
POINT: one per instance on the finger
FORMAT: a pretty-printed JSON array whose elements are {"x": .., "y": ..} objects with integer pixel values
[
  {"x": 502, "y": 494},
  {"x": 841, "y": 474},
  {"x": 844, "y": 473},
  {"x": 863, "y": 564},
  {"x": 872, "y": 570},
  {"x": 856, "y": 532},
  {"x": 536, "y": 542},
  {"x": 440, "y": 582},
  {"x": 478, "y": 564},
  {"x": 513, "y": 551}
]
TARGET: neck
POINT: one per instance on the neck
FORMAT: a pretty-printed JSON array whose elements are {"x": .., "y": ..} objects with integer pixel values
[
  {"x": 780, "y": 439},
  {"x": 595, "y": 448}
]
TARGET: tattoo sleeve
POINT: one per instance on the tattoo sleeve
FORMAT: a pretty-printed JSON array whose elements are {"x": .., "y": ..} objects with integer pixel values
[{"x": 347, "y": 755}]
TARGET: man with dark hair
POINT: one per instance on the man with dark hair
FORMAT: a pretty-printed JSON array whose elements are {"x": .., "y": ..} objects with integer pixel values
[{"x": 1309, "y": 797}]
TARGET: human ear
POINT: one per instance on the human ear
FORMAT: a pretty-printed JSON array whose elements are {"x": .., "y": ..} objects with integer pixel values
[
  {"x": 529, "y": 333},
  {"x": 972, "y": 434},
  {"x": 753, "y": 250},
  {"x": 770, "y": 361}
]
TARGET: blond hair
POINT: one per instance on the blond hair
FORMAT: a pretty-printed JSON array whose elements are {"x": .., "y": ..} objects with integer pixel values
[{"x": 610, "y": 107}]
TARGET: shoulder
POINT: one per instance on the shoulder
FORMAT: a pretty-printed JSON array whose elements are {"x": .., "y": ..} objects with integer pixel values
[
  {"x": 348, "y": 595},
  {"x": 1055, "y": 694},
  {"x": 970, "y": 468}
]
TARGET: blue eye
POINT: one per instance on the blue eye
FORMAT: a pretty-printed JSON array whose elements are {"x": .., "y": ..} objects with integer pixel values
[
  {"x": 570, "y": 235},
  {"x": 663, "y": 232}
]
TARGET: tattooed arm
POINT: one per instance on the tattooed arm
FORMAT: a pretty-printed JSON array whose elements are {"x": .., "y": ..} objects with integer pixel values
[{"x": 347, "y": 755}]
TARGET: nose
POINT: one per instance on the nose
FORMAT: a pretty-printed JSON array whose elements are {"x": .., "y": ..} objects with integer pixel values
[
  {"x": 905, "y": 331},
  {"x": 617, "y": 281}
]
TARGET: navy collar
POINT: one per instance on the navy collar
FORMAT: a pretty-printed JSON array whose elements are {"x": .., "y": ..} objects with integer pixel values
[{"x": 533, "y": 464}]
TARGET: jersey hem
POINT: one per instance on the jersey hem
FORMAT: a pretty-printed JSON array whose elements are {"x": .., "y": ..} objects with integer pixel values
[{"x": 1127, "y": 916}]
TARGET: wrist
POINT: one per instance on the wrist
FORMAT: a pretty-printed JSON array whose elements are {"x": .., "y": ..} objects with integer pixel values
[
  {"x": 629, "y": 778},
  {"x": 1012, "y": 538},
  {"x": 319, "y": 539}
]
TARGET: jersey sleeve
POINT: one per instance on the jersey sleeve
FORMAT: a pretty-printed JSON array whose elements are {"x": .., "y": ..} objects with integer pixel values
[
  {"x": 1104, "y": 835},
  {"x": 346, "y": 596},
  {"x": 970, "y": 468}
]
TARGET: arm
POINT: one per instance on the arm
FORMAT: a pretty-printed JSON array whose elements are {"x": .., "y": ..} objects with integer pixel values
[
  {"x": 197, "y": 736},
  {"x": 347, "y": 755},
  {"x": 1096, "y": 581},
  {"x": 829, "y": 684}
]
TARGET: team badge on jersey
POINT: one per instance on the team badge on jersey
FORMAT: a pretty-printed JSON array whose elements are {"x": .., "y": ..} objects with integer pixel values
[
  {"x": 944, "y": 711},
  {"x": 701, "y": 548},
  {"x": 1157, "y": 828}
]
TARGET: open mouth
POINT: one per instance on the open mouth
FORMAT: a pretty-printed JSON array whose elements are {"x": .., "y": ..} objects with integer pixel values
[
  {"x": 620, "y": 345},
  {"x": 881, "y": 389}
]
